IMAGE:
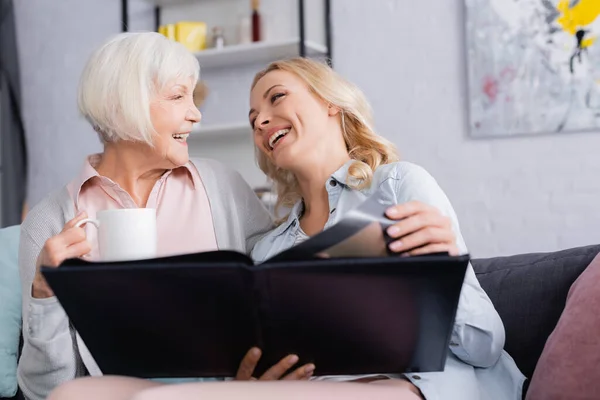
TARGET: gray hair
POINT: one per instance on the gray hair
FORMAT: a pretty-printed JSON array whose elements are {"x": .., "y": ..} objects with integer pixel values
[{"x": 120, "y": 79}]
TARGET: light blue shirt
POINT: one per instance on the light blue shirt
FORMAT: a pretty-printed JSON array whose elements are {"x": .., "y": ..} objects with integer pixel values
[{"x": 477, "y": 367}]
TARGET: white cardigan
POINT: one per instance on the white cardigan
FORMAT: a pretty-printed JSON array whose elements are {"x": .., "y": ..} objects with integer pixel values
[{"x": 53, "y": 352}]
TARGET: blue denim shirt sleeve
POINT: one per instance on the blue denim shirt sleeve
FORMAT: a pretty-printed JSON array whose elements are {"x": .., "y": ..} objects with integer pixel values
[{"x": 478, "y": 335}]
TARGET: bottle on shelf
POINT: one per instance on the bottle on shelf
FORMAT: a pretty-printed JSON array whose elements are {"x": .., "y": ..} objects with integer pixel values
[
  {"x": 245, "y": 30},
  {"x": 256, "y": 21},
  {"x": 218, "y": 38}
]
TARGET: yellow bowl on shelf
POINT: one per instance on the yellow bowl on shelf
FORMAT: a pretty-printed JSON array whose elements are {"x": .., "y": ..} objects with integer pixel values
[
  {"x": 191, "y": 34},
  {"x": 168, "y": 31}
]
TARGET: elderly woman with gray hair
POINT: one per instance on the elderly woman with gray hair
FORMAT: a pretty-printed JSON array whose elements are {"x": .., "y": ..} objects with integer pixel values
[{"x": 137, "y": 93}]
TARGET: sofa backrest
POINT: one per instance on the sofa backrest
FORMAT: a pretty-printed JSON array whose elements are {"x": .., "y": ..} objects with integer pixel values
[
  {"x": 10, "y": 310},
  {"x": 529, "y": 292}
]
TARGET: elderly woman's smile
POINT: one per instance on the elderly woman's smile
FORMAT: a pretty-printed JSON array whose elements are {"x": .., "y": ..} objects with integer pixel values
[
  {"x": 181, "y": 138},
  {"x": 173, "y": 114}
]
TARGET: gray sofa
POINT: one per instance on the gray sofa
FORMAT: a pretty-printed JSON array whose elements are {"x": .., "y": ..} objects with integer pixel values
[{"x": 529, "y": 291}]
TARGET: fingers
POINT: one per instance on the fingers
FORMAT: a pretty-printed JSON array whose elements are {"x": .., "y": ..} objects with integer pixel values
[
  {"x": 250, "y": 360},
  {"x": 70, "y": 243},
  {"x": 58, "y": 250},
  {"x": 65, "y": 239},
  {"x": 422, "y": 229},
  {"x": 434, "y": 248},
  {"x": 420, "y": 220},
  {"x": 279, "y": 369},
  {"x": 301, "y": 374},
  {"x": 422, "y": 237},
  {"x": 77, "y": 250},
  {"x": 248, "y": 364},
  {"x": 400, "y": 211},
  {"x": 80, "y": 217}
]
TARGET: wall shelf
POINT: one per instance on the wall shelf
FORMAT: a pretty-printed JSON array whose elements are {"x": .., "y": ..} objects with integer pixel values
[
  {"x": 258, "y": 52},
  {"x": 219, "y": 131},
  {"x": 265, "y": 51}
]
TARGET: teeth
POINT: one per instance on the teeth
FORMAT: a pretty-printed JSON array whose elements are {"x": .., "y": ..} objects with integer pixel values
[
  {"x": 181, "y": 137},
  {"x": 276, "y": 136}
]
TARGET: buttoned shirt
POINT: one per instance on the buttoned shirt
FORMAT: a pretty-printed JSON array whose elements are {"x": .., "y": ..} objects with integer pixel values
[{"x": 476, "y": 367}]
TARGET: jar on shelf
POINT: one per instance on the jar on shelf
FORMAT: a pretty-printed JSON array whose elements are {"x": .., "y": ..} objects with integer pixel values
[{"x": 218, "y": 38}]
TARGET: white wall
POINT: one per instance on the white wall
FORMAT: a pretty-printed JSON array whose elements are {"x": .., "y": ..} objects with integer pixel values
[{"x": 511, "y": 195}]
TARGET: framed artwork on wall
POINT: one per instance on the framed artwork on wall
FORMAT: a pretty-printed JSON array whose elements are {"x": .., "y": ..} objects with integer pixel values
[{"x": 533, "y": 66}]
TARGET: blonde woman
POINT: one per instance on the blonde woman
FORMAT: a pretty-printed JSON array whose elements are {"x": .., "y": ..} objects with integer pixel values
[
  {"x": 315, "y": 140},
  {"x": 314, "y": 136}
]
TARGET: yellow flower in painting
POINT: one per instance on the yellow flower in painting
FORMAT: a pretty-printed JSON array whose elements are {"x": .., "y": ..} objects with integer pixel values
[{"x": 579, "y": 16}]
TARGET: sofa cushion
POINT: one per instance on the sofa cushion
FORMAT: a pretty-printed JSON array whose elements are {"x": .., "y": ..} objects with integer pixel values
[
  {"x": 10, "y": 310},
  {"x": 529, "y": 292},
  {"x": 570, "y": 360}
]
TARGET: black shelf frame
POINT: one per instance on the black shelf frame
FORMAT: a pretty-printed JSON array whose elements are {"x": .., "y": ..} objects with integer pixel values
[{"x": 301, "y": 25}]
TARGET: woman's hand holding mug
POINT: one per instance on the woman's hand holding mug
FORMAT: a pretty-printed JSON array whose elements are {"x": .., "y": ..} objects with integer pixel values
[
  {"x": 122, "y": 235},
  {"x": 71, "y": 242}
]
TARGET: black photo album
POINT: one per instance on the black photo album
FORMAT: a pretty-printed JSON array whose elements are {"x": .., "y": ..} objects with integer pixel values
[{"x": 340, "y": 300}]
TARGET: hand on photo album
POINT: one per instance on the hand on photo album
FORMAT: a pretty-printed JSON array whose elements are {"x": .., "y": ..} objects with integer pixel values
[
  {"x": 285, "y": 369},
  {"x": 314, "y": 139},
  {"x": 421, "y": 229}
]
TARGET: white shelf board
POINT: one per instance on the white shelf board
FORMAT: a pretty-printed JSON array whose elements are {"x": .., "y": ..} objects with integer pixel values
[
  {"x": 220, "y": 130},
  {"x": 258, "y": 52}
]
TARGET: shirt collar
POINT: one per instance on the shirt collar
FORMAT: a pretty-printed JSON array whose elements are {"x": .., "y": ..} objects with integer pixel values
[
  {"x": 293, "y": 219},
  {"x": 88, "y": 172},
  {"x": 341, "y": 175}
]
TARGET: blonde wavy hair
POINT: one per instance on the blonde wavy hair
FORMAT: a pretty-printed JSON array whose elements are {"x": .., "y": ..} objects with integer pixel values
[{"x": 368, "y": 149}]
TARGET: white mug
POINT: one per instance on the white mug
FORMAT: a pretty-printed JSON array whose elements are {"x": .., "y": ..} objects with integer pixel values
[{"x": 125, "y": 234}]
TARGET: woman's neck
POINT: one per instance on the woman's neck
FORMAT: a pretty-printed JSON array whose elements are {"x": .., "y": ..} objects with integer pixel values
[
  {"x": 312, "y": 184},
  {"x": 132, "y": 167}
]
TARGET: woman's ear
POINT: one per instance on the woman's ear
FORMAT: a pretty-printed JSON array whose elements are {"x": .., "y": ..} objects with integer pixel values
[{"x": 333, "y": 110}]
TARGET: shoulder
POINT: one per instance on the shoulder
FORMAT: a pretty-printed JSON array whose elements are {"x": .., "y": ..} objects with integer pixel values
[
  {"x": 49, "y": 216},
  {"x": 401, "y": 171},
  {"x": 403, "y": 181},
  {"x": 404, "y": 176},
  {"x": 54, "y": 206}
]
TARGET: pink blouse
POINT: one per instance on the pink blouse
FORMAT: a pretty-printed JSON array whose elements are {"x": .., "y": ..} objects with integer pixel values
[{"x": 183, "y": 216}]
